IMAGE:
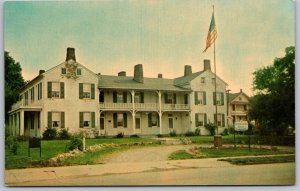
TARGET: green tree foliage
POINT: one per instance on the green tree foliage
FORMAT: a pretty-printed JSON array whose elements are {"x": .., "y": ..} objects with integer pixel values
[
  {"x": 13, "y": 82},
  {"x": 273, "y": 107}
]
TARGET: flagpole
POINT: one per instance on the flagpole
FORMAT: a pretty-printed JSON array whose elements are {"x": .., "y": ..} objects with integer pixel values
[{"x": 216, "y": 121}]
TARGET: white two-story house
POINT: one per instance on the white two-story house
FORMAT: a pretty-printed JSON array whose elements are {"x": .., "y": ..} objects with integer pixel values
[{"x": 73, "y": 97}]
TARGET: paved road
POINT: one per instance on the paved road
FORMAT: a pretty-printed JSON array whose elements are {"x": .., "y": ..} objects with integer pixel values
[{"x": 180, "y": 172}]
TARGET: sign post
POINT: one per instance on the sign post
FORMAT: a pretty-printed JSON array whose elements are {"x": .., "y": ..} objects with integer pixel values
[
  {"x": 241, "y": 126},
  {"x": 34, "y": 142}
]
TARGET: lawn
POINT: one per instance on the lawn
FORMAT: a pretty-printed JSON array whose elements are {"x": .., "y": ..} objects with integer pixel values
[
  {"x": 224, "y": 152},
  {"x": 54, "y": 147},
  {"x": 260, "y": 160}
]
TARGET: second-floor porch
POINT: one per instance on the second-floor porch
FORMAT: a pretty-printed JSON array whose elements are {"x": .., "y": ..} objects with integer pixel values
[{"x": 144, "y": 106}]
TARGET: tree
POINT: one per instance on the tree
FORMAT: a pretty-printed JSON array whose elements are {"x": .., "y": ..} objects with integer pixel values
[
  {"x": 13, "y": 82},
  {"x": 273, "y": 107}
]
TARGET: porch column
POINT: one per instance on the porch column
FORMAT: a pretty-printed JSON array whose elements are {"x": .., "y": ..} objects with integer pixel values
[
  {"x": 17, "y": 125},
  {"x": 159, "y": 112},
  {"x": 133, "y": 111},
  {"x": 21, "y": 130}
]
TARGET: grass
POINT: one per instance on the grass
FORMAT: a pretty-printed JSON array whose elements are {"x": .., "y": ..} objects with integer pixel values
[
  {"x": 181, "y": 154},
  {"x": 22, "y": 160},
  {"x": 260, "y": 160},
  {"x": 54, "y": 147},
  {"x": 224, "y": 152}
]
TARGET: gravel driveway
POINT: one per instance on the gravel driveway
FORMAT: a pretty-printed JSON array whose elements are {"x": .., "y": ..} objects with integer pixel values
[{"x": 147, "y": 154}]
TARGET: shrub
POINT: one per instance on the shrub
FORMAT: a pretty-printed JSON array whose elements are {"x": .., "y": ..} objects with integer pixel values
[
  {"x": 75, "y": 143},
  {"x": 49, "y": 134},
  {"x": 134, "y": 136},
  {"x": 225, "y": 132},
  {"x": 120, "y": 135},
  {"x": 189, "y": 134},
  {"x": 160, "y": 136},
  {"x": 64, "y": 134},
  {"x": 197, "y": 131},
  {"x": 173, "y": 133},
  {"x": 12, "y": 144},
  {"x": 22, "y": 138},
  {"x": 211, "y": 127}
]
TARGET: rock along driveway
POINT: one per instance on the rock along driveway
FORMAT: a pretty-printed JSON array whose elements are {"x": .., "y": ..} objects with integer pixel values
[{"x": 146, "y": 154}]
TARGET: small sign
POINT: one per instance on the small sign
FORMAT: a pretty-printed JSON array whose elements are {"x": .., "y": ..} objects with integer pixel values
[
  {"x": 35, "y": 142},
  {"x": 241, "y": 126}
]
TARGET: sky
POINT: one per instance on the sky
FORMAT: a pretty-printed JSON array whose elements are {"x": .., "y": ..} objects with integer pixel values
[{"x": 113, "y": 36}]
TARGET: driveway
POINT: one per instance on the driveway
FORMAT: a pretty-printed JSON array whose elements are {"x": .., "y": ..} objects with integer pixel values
[{"x": 146, "y": 154}]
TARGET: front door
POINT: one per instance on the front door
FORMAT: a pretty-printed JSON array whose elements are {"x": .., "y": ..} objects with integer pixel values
[{"x": 102, "y": 119}]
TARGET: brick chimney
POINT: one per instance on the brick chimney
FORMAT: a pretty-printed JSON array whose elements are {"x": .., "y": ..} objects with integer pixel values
[
  {"x": 41, "y": 72},
  {"x": 159, "y": 75},
  {"x": 241, "y": 90},
  {"x": 138, "y": 73},
  {"x": 70, "y": 54},
  {"x": 122, "y": 73},
  {"x": 187, "y": 70},
  {"x": 207, "y": 65}
]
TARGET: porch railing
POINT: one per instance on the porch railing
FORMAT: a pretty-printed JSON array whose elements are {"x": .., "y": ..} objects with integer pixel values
[{"x": 144, "y": 106}]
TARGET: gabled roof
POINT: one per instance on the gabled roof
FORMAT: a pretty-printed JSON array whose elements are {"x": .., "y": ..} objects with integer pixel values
[
  {"x": 127, "y": 82},
  {"x": 184, "y": 80},
  {"x": 232, "y": 96}
]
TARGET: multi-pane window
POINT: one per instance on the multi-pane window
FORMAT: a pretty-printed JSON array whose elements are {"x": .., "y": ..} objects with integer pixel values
[
  {"x": 56, "y": 89},
  {"x": 78, "y": 71},
  {"x": 153, "y": 119},
  {"x": 245, "y": 107},
  {"x": 119, "y": 97},
  {"x": 200, "y": 98},
  {"x": 200, "y": 119},
  {"x": 26, "y": 98},
  {"x": 213, "y": 80},
  {"x": 202, "y": 80},
  {"x": 86, "y": 119},
  {"x": 39, "y": 86},
  {"x": 170, "y": 98},
  {"x": 218, "y": 98},
  {"x": 233, "y": 107},
  {"x": 56, "y": 119},
  {"x": 120, "y": 120},
  {"x": 86, "y": 91},
  {"x": 139, "y": 97},
  {"x": 63, "y": 71},
  {"x": 220, "y": 119},
  {"x": 32, "y": 94}
]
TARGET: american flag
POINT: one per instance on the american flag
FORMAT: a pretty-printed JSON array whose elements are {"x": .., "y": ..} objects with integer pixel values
[{"x": 212, "y": 33}]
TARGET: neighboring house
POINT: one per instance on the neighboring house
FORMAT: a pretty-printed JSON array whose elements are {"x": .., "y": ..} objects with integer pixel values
[
  {"x": 238, "y": 107},
  {"x": 73, "y": 97}
]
